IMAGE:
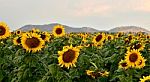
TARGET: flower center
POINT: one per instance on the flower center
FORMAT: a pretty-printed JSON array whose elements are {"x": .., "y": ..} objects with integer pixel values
[
  {"x": 19, "y": 40},
  {"x": 69, "y": 56},
  {"x": 2, "y": 30},
  {"x": 18, "y": 32},
  {"x": 130, "y": 37},
  {"x": 58, "y": 30},
  {"x": 43, "y": 36},
  {"x": 99, "y": 37},
  {"x": 109, "y": 37},
  {"x": 124, "y": 64},
  {"x": 32, "y": 42},
  {"x": 133, "y": 57},
  {"x": 137, "y": 46}
]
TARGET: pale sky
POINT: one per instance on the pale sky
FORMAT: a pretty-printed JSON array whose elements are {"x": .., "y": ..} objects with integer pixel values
[{"x": 98, "y": 14}]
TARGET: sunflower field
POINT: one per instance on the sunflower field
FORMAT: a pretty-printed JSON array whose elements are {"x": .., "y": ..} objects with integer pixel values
[{"x": 57, "y": 56}]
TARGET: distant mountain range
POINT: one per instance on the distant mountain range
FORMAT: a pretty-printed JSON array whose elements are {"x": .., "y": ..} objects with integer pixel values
[{"x": 68, "y": 29}]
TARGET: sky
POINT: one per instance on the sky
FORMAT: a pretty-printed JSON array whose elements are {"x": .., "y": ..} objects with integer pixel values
[{"x": 98, "y": 14}]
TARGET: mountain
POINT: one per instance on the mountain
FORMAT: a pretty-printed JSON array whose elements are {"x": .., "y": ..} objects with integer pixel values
[
  {"x": 49, "y": 27},
  {"x": 129, "y": 29},
  {"x": 68, "y": 29}
]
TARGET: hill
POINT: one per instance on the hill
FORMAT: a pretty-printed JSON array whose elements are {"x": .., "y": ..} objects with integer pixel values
[
  {"x": 129, "y": 29},
  {"x": 49, "y": 27}
]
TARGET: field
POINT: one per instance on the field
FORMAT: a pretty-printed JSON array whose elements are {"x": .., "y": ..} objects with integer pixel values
[{"x": 37, "y": 56}]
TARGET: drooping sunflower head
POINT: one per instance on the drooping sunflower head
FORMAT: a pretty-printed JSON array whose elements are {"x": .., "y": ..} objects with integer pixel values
[
  {"x": 4, "y": 30},
  {"x": 17, "y": 40},
  {"x": 145, "y": 79},
  {"x": 123, "y": 64},
  {"x": 90, "y": 73},
  {"x": 133, "y": 57},
  {"x": 32, "y": 42},
  {"x": 45, "y": 36},
  {"x": 58, "y": 31},
  {"x": 68, "y": 56},
  {"x": 99, "y": 38}
]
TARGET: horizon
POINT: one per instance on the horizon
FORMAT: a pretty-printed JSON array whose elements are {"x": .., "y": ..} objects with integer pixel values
[
  {"x": 85, "y": 26},
  {"x": 101, "y": 15}
]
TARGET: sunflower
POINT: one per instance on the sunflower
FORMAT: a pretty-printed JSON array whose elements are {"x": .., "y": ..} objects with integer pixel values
[
  {"x": 99, "y": 38},
  {"x": 123, "y": 64},
  {"x": 32, "y": 42},
  {"x": 130, "y": 37},
  {"x": 90, "y": 73},
  {"x": 35, "y": 30},
  {"x": 45, "y": 36},
  {"x": 109, "y": 37},
  {"x": 104, "y": 74},
  {"x": 139, "y": 46},
  {"x": 58, "y": 31},
  {"x": 17, "y": 40},
  {"x": 145, "y": 79},
  {"x": 18, "y": 32},
  {"x": 68, "y": 56},
  {"x": 4, "y": 30},
  {"x": 141, "y": 64},
  {"x": 126, "y": 41},
  {"x": 93, "y": 74},
  {"x": 119, "y": 34},
  {"x": 133, "y": 57}
]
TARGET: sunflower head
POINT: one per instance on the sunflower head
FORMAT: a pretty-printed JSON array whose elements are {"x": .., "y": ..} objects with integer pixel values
[
  {"x": 58, "y": 31},
  {"x": 123, "y": 64},
  {"x": 109, "y": 37},
  {"x": 17, "y": 40},
  {"x": 32, "y": 42},
  {"x": 4, "y": 30},
  {"x": 45, "y": 36},
  {"x": 133, "y": 57},
  {"x": 99, "y": 38},
  {"x": 141, "y": 64},
  {"x": 35, "y": 30},
  {"x": 138, "y": 46},
  {"x": 145, "y": 79},
  {"x": 68, "y": 56},
  {"x": 18, "y": 32}
]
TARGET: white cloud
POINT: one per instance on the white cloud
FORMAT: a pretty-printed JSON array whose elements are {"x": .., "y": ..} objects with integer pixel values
[{"x": 91, "y": 7}]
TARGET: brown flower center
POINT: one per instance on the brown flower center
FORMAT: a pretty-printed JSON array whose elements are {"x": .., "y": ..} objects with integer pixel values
[
  {"x": 109, "y": 37},
  {"x": 124, "y": 64},
  {"x": 32, "y": 42},
  {"x": 133, "y": 57},
  {"x": 43, "y": 36},
  {"x": 69, "y": 56},
  {"x": 137, "y": 46},
  {"x": 130, "y": 37},
  {"x": 18, "y": 32},
  {"x": 119, "y": 35},
  {"x": 19, "y": 40},
  {"x": 2, "y": 30},
  {"x": 98, "y": 38},
  {"x": 58, "y": 30}
]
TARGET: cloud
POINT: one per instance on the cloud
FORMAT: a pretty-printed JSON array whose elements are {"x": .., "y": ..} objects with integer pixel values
[
  {"x": 143, "y": 5},
  {"x": 91, "y": 7}
]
